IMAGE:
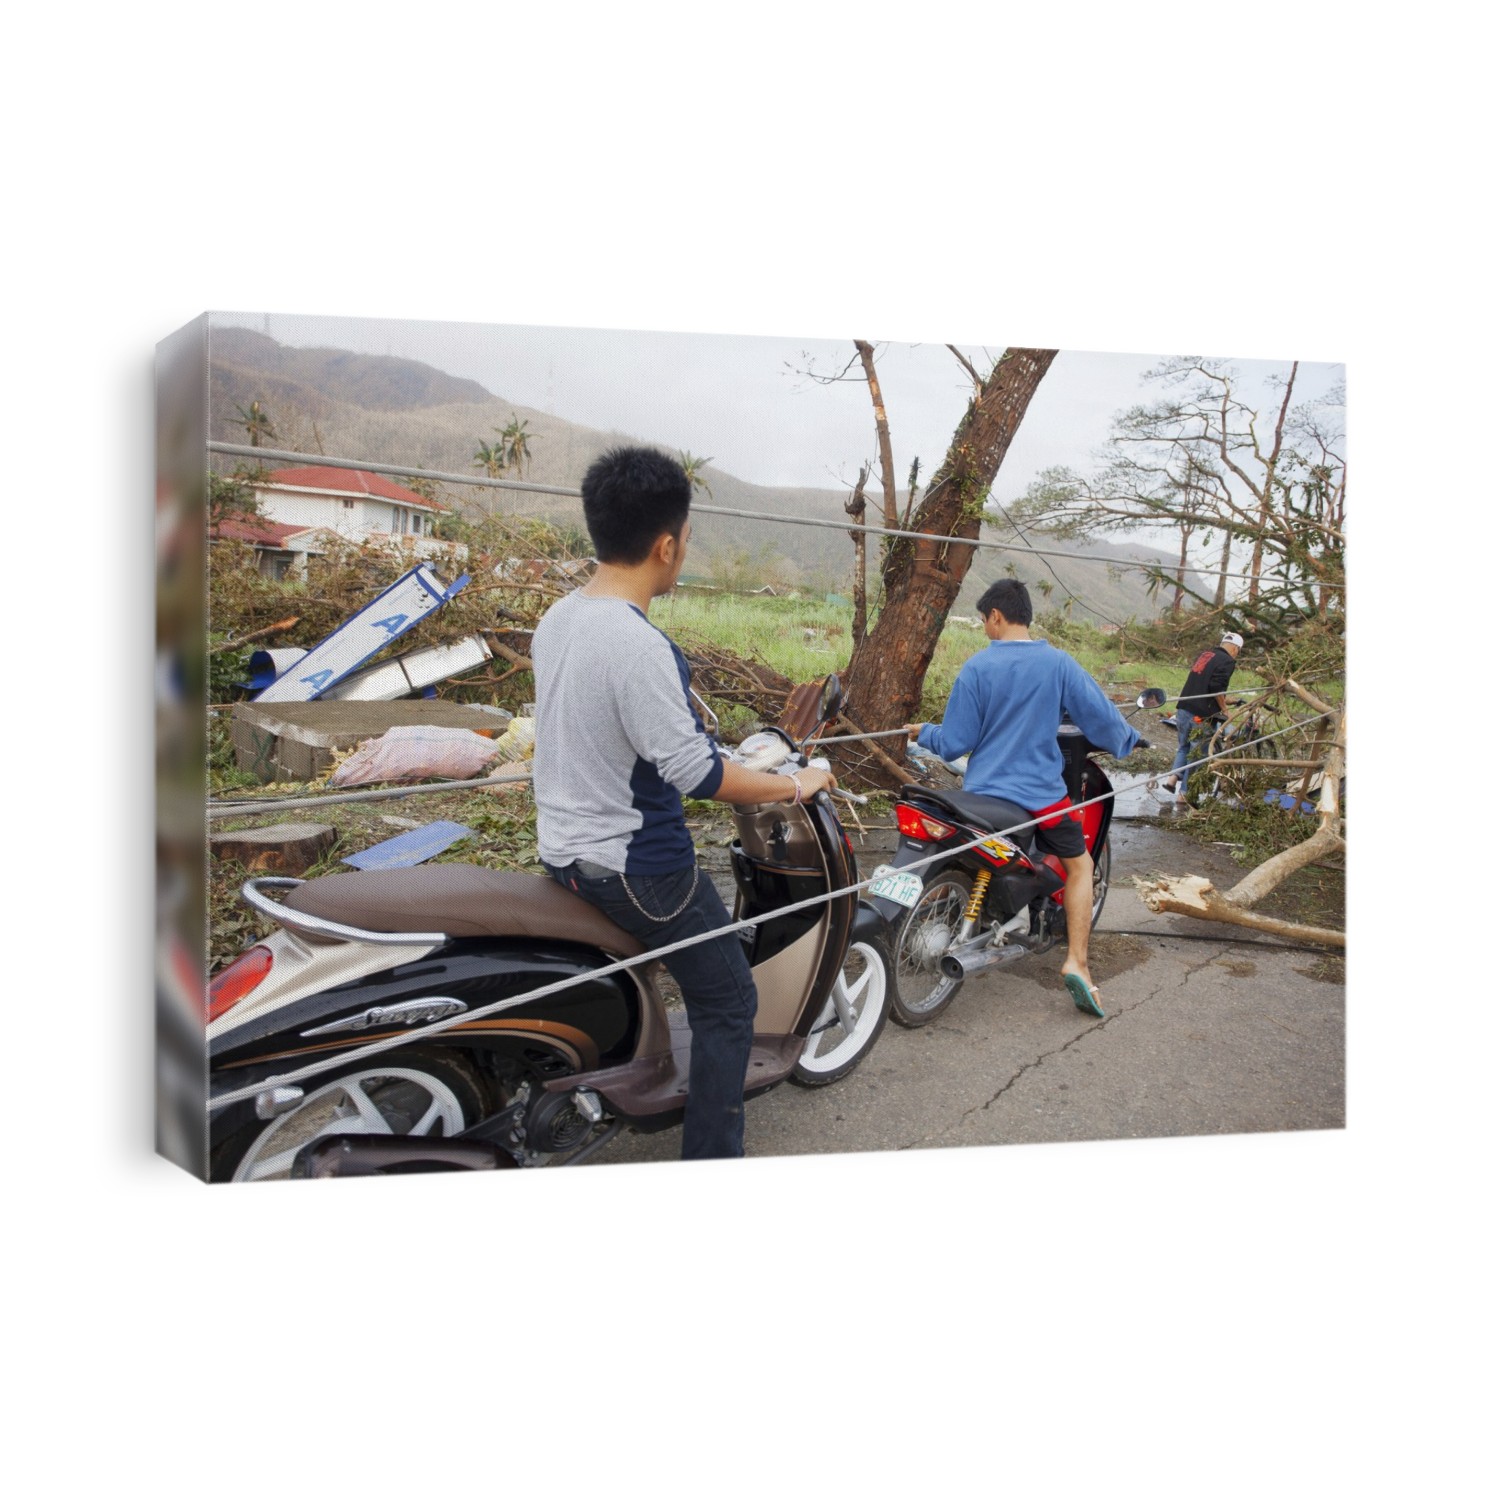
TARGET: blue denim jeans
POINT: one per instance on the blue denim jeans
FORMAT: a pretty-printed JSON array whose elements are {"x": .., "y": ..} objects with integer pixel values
[
  {"x": 1185, "y": 728},
  {"x": 716, "y": 985}
]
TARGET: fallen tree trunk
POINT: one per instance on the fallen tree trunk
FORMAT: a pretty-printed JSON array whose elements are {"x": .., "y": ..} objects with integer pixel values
[
  {"x": 1264, "y": 878},
  {"x": 1194, "y": 896}
]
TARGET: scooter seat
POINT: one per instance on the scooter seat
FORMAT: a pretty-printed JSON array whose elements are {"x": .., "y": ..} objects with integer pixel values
[
  {"x": 461, "y": 901},
  {"x": 987, "y": 812}
]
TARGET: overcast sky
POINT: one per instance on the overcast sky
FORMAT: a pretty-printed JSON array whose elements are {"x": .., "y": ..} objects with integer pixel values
[{"x": 741, "y": 400}]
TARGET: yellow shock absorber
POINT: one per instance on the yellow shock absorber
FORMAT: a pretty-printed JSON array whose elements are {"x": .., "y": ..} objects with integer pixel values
[{"x": 976, "y": 899}]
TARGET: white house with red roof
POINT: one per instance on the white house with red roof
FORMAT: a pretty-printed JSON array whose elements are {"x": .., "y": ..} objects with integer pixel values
[
  {"x": 279, "y": 549},
  {"x": 359, "y": 506}
]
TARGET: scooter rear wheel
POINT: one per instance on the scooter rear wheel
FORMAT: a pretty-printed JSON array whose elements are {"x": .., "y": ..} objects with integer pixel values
[
  {"x": 922, "y": 991},
  {"x": 407, "y": 1091}
]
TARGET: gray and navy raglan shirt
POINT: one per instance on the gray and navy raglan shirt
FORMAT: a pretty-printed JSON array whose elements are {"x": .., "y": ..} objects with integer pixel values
[{"x": 617, "y": 742}]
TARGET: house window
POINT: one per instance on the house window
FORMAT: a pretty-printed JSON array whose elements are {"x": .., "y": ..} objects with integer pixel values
[{"x": 348, "y": 505}]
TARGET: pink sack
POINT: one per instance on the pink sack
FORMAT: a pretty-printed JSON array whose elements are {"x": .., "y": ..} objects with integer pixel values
[{"x": 417, "y": 752}]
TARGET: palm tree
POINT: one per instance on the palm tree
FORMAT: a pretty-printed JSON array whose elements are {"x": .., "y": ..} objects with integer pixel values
[
  {"x": 515, "y": 444},
  {"x": 491, "y": 458},
  {"x": 257, "y": 422},
  {"x": 693, "y": 467}
]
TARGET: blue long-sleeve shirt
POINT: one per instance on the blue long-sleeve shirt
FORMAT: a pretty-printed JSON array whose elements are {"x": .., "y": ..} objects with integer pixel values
[{"x": 1003, "y": 713}]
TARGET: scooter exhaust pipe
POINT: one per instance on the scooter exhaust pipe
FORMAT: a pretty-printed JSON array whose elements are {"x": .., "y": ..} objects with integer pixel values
[
  {"x": 966, "y": 963},
  {"x": 374, "y": 1156}
]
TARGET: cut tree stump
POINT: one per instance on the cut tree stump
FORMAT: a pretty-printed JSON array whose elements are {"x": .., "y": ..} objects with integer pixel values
[{"x": 286, "y": 849}]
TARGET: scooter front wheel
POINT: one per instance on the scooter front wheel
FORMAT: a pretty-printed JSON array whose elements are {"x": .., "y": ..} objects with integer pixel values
[
  {"x": 923, "y": 992},
  {"x": 852, "y": 1018}
]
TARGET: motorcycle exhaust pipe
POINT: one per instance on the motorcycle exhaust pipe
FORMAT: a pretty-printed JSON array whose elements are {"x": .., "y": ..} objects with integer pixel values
[
  {"x": 966, "y": 963},
  {"x": 376, "y": 1156}
]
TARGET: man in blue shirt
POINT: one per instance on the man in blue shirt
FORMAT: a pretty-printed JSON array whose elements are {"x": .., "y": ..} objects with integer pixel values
[{"x": 1003, "y": 713}]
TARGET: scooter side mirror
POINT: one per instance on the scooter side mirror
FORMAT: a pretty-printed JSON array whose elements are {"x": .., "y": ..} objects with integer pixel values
[
  {"x": 1151, "y": 698},
  {"x": 831, "y": 702}
]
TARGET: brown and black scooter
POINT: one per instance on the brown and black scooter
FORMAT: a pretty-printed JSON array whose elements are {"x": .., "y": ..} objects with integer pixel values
[{"x": 369, "y": 956}]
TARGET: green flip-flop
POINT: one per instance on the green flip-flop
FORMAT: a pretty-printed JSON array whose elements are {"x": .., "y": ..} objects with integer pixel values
[{"x": 1084, "y": 997}]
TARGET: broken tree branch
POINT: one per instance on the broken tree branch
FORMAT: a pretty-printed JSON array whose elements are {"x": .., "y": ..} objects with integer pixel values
[
  {"x": 905, "y": 777},
  {"x": 1310, "y": 699},
  {"x": 1265, "y": 877},
  {"x": 1194, "y": 896},
  {"x": 974, "y": 374},
  {"x": 1333, "y": 774},
  {"x": 258, "y": 635},
  {"x": 1299, "y": 765}
]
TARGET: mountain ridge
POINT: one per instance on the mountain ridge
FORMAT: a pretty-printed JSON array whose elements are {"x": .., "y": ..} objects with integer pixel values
[{"x": 389, "y": 409}]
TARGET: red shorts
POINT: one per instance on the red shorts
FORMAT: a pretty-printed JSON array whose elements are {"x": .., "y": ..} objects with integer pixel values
[{"x": 1060, "y": 831}]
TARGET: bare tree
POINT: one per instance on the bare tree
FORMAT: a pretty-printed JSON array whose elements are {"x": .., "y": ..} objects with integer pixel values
[
  {"x": 921, "y": 578},
  {"x": 866, "y": 351},
  {"x": 1199, "y": 461},
  {"x": 855, "y": 506},
  {"x": 865, "y": 357}
]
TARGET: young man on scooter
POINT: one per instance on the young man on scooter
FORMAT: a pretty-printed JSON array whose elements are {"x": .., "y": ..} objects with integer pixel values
[
  {"x": 1003, "y": 713},
  {"x": 618, "y": 746}
]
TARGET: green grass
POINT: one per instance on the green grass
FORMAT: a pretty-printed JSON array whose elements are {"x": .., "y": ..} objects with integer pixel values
[{"x": 775, "y": 630}]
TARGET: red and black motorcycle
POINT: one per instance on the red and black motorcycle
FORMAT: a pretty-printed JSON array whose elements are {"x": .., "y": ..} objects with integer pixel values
[{"x": 987, "y": 905}]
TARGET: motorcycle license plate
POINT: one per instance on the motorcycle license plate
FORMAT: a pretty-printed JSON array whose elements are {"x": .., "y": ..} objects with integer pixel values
[{"x": 901, "y": 886}]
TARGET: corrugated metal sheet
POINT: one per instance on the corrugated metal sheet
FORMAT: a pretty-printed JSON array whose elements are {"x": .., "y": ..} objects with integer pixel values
[{"x": 412, "y": 848}]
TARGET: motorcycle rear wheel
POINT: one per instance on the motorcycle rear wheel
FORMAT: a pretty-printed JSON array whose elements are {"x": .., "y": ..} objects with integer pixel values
[
  {"x": 408, "y": 1091},
  {"x": 922, "y": 992},
  {"x": 1101, "y": 881},
  {"x": 852, "y": 1019}
]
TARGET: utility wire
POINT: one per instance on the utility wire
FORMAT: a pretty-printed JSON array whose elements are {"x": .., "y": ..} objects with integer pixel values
[
  {"x": 434, "y": 1028},
  {"x": 244, "y": 450},
  {"x": 244, "y": 807}
]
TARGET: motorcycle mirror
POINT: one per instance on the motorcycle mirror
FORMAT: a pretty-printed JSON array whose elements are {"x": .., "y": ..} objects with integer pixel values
[
  {"x": 1151, "y": 698},
  {"x": 831, "y": 703}
]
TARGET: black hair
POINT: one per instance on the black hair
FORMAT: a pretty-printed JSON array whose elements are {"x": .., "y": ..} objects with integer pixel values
[
  {"x": 1009, "y": 596},
  {"x": 631, "y": 497}
]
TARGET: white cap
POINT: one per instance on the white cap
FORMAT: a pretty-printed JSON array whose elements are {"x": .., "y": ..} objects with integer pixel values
[{"x": 1231, "y": 639}]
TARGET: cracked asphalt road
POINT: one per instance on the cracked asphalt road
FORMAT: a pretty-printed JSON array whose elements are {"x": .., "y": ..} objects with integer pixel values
[{"x": 1200, "y": 1038}]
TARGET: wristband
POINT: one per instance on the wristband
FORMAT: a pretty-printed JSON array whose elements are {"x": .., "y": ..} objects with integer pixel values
[{"x": 796, "y": 791}]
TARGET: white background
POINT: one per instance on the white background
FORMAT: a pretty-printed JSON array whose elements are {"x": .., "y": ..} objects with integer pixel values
[{"x": 1293, "y": 1314}]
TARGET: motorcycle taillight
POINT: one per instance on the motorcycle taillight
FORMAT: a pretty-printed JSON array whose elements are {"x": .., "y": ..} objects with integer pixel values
[
  {"x": 917, "y": 825},
  {"x": 231, "y": 985}
]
